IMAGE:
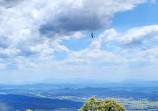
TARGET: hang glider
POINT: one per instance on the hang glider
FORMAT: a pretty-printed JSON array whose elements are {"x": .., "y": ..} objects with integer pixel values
[{"x": 92, "y": 35}]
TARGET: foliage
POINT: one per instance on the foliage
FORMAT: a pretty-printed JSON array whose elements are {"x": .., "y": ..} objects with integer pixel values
[
  {"x": 28, "y": 110},
  {"x": 102, "y": 105}
]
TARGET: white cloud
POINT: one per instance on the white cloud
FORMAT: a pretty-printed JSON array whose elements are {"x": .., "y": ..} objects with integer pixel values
[
  {"x": 140, "y": 35},
  {"x": 82, "y": 15},
  {"x": 30, "y": 27},
  {"x": 32, "y": 30},
  {"x": 9, "y": 3},
  {"x": 115, "y": 47}
]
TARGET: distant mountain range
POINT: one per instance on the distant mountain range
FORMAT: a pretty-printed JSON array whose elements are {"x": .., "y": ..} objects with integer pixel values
[{"x": 79, "y": 83}]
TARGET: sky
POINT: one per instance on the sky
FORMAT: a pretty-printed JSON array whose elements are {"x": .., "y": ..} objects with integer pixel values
[{"x": 43, "y": 40}]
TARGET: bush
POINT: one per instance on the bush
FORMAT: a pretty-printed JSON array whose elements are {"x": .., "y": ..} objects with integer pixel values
[
  {"x": 102, "y": 105},
  {"x": 28, "y": 110}
]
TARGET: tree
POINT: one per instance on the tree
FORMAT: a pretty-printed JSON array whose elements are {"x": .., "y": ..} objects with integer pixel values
[
  {"x": 28, "y": 110},
  {"x": 102, "y": 105}
]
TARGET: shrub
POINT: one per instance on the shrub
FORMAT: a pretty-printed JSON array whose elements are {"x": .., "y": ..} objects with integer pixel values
[{"x": 102, "y": 105}]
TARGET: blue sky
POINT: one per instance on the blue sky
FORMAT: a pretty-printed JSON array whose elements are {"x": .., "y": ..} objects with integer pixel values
[
  {"x": 42, "y": 40},
  {"x": 142, "y": 15}
]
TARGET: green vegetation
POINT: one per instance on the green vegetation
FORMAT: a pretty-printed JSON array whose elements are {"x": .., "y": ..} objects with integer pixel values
[
  {"x": 100, "y": 105},
  {"x": 28, "y": 110}
]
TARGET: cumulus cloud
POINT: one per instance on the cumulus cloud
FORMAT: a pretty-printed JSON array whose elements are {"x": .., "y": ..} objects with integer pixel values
[
  {"x": 136, "y": 37},
  {"x": 140, "y": 35},
  {"x": 31, "y": 31},
  {"x": 83, "y": 15},
  {"x": 9, "y": 3},
  {"x": 26, "y": 26},
  {"x": 114, "y": 47}
]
